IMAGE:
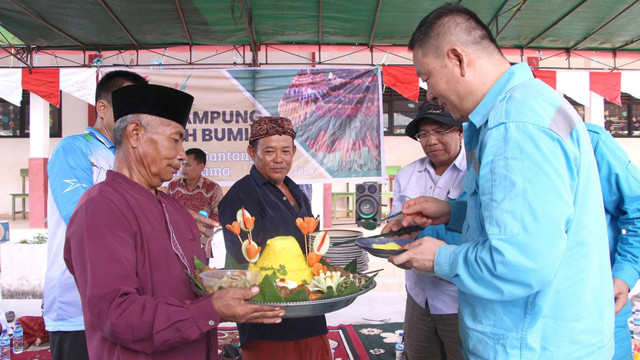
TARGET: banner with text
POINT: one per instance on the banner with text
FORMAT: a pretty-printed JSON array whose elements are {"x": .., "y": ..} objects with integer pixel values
[{"x": 337, "y": 114}]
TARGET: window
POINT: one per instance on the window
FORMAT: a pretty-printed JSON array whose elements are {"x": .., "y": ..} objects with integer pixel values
[
  {"x": 385, "y": 115},
  {"x": 14, "y": 120},
  {"x": 398, "y": 111},
  {"x": 635, "y": 119},
  {"x": 576, "y": 105},
  {"x": 623, "y": 120}
]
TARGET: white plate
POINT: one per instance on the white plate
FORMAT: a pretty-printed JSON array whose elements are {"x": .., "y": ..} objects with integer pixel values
[{"x": 340, "y": 234}]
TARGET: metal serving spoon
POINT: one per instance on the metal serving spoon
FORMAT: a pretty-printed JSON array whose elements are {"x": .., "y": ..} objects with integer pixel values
[{"x": 372, "y": 224}]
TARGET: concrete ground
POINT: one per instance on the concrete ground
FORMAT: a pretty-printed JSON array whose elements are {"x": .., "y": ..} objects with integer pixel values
[{"x": 385, "y": 303}]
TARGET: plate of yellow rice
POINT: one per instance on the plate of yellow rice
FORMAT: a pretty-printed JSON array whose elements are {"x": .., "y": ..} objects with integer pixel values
[{"x": 383, "y": 247}]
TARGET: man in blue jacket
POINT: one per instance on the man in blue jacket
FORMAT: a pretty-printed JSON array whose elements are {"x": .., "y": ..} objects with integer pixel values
[
  {"x": 620, "y": 181},
  {"x": 532, "y": 271}
]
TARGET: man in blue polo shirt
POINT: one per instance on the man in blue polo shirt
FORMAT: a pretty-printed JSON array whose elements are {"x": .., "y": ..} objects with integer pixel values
[{"x": 533, "y": 270}]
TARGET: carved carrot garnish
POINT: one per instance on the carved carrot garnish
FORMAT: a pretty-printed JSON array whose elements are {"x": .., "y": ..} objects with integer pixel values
[
  {"x": 317, "y": 267},
  {"x": 311, "y": 223},
  {"x": 302, "y": 225},
  {"x": 313, "y": 258},
  {"x": 249, "y": 222},
  {"x": 234, "y": 227},
  {"x": 246, "y": 221},
  {"x": 253, "y": 251}
]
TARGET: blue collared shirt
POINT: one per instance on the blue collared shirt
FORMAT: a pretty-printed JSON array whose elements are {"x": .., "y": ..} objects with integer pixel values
[
  {"x": 533, "y": 271},
  {"x": 419, "y": 179}
]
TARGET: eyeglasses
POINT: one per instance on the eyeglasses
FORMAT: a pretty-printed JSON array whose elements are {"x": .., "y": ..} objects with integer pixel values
[{"x": 424, "y": 135}]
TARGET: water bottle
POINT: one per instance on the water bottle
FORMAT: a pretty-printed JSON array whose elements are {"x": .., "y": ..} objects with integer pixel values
[
  {"x": 400, "y": 346},
  {"x": 635, "y": 309},
  {"x": 635, "y": 332},
  {"x": 18, "y": 341},
  {"x": 5, "y": 346}
]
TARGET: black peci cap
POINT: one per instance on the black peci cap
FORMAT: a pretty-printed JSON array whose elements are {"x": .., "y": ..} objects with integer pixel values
[{"x": 156, "y": 100}]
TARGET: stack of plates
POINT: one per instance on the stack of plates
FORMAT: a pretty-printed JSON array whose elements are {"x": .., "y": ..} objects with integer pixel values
[{"x": 343, "y": 254}]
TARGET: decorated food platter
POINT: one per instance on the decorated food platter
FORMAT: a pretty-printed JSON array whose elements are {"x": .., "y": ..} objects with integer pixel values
[
  {"x": 316, "y": 307},
  {"x": 293, "y": 309},
  {"x": 305, "y": 284},
  {"x": 383, "y": 247}
]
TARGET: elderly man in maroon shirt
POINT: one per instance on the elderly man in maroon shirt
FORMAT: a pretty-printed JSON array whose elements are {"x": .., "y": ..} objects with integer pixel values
[{"x": 129, "y": 246}]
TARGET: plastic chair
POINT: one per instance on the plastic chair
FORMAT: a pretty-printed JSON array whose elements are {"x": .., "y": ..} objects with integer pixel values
[
  {"x": 24, "y": 173},
  {"x": 350, "y": 205}
]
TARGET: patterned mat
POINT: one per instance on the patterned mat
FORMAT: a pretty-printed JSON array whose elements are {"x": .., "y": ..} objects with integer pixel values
[
  {"x": 379, "y": 340},
  {"x": 357, "y": 342},
  {"x": 345, "y": 343}
]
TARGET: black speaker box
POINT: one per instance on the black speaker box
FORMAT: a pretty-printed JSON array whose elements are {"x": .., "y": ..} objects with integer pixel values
[{"x": 368, "y": 198}]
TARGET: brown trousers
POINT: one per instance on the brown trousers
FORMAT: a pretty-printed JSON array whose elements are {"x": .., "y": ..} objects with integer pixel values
[
  {"x": 313, "y": 348},
  {"x": 428, "y": 336}
]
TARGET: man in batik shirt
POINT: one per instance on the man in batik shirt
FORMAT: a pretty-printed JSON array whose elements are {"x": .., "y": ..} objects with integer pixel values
[{"x": 196, "y": 192}]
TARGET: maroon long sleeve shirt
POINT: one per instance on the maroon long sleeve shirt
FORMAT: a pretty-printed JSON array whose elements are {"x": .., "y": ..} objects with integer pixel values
[{"x": 137, "y": 301}]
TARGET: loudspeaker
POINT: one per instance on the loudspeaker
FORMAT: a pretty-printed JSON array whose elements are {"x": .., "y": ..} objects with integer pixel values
[{"x": 368, "y": 198}]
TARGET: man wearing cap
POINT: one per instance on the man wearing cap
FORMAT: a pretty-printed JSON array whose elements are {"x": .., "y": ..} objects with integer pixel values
[
  {"x": 275, "y": 201},
  {"x": 431, "y": 316},
  {"x": 129, "y": 246},
  {"x": 76, "y": 164}
]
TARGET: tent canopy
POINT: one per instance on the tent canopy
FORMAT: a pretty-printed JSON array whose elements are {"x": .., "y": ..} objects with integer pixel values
[{"x": 123, "y": 24}]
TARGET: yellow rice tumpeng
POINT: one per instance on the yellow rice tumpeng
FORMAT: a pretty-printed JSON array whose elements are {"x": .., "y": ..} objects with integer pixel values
[{"x": 283, "y": 250}]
